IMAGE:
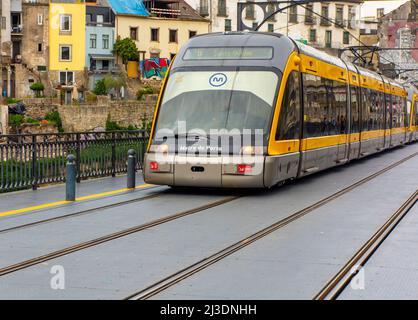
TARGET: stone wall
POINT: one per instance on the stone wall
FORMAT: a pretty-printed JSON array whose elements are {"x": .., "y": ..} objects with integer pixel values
[
  {"x": 87, "y": 117},
  {"x": 91, "y": 117}
]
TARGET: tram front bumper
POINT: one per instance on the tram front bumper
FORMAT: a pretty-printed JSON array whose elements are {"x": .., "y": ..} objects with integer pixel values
[{"x": 216, "y": 172}]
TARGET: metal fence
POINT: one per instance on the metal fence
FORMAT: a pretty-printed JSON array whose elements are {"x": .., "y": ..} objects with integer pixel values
[{"x": 31, "y": 160}]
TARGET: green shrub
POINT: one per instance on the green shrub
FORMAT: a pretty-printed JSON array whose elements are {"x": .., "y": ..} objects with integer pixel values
[
  {"x": 143, "y": 91},
  {"x": 100, "y": 88},
  {"x": 32, "y": 121},
  {"x": 16, "y": 120},
  {"x": 55, "y": 118},
  {"x": 12, "y": 100},
  {"x": 38, "y": 88}
]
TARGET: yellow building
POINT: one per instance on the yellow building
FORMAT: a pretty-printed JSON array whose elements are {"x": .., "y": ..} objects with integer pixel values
[
  {"x": 164, "y": 31},
  {"x": 67, "y": 27}
]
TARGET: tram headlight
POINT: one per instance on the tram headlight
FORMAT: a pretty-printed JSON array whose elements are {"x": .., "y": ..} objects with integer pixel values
[
  {"x": 160, "y": 148},
  {"x": 248, "y": 150}
]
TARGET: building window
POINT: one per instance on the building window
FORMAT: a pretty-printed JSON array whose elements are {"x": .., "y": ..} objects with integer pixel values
[
  {"x": 250, "y": 11},
  {"x": 293, "y": 14},
  {"x": 228, "y": 25},
  {"x": 65, "y": 23},
  {"x": 66, "y": 77},
  {"x": 328, "y": 38},
  {"x": 312, "y": 36},
  {"x": 192, "y": 34},
  {"x": 339, "y": 15},
  {"x": 105, "y": 40},
  {"x": 155, "y": 34},
  {"x": 173, "y": 36},
  {"x": 40, "y": 47},
  {"x": 351, "y": 17},
  {"x": 255, "y": 25},
  {"x": 325, "y": 16},
  {"x": 40, "y": 19},
  {"x": 309, "y": 18},
  {"x": 204, "y": 8},
  {"x": 93, "y": 41},
  {"x": 3, "y": 22},
  {"x": 346, "y": 37},
  {"x": 271, "y": 7},
  {"x": 134, "y": 33},
  {"x": 65, "y": 53},
  {"x": 380, "y": 12},
  {"x": 105, "y": 65},
  {"x": 89, "y": 18},
  {"x": 100, "y": 19},
  {"x": 270, "y": 27},
  {"x": 222, "y": 8}
]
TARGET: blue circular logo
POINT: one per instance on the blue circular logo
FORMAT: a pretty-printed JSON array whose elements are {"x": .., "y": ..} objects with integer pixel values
[{"x": 218, "y": 80}]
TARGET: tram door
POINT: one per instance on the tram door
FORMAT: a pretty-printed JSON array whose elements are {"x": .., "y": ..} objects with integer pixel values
[{"x": 341, "y": 104}]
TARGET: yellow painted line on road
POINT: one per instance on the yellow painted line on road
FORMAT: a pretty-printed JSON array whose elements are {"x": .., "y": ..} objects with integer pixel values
[{"x": 59, "y": 203}]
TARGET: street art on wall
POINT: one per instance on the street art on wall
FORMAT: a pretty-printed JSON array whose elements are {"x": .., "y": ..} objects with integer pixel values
[{"x": 154, "y": 67}]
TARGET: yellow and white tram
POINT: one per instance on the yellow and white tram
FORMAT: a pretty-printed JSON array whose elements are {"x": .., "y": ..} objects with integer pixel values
[{"x": 283, "y": 109}]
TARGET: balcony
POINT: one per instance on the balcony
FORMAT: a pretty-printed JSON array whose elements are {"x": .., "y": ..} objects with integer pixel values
[
  {"x": 340, "y": 23},
  {"x": 325, "y": 22},
  {"x": 17, "y": 30},
  {"x": 310, "y": 20},
  {"x": 160, "y": 12}
]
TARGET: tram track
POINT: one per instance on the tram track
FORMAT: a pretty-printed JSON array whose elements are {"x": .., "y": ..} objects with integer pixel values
[
  {"x": 342, "y": 279},
  {"x": 112, "y": 236},
  {"x": 185, "y": 273},
  {"x": 83, "y": 212}
]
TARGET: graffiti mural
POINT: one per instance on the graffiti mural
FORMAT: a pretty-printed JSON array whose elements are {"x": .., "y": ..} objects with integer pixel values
[{"x": 154, "y": 67}]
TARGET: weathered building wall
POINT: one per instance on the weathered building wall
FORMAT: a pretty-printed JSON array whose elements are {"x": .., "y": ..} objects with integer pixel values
[{"x": 35, "y": 49}]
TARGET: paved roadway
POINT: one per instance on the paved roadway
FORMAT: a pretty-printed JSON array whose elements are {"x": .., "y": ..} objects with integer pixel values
[{"x": 293, "y": 262}]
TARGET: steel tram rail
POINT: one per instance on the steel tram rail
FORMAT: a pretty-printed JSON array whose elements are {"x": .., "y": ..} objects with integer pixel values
[
  {"x": 341, "y": 280},
  {"x": 113, "y": 236},
  {"x": 181, "y": 275}
]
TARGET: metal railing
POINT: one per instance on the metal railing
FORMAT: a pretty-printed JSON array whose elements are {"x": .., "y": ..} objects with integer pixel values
[{"x": 31, "y": 160}]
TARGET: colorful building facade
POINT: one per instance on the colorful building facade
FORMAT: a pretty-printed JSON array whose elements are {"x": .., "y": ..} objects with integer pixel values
[{"x": 67, "y": 48}]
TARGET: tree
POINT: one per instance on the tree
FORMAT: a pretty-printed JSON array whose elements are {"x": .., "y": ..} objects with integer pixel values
[
  {"x": 38, "y": 88},
  {"x": 126, "y": 49},
  {"x": 100, "y": 88},
  {"x": 115, "y": 83}
]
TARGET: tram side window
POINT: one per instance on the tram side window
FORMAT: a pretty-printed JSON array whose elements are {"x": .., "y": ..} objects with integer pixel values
[
  {"x": 388, "y": 111},
  {"x": 339, "y": 91},
  {"x": 416, "y": 113},
  {"x": 397, "y": 118},
  {"x": 366, "y": 115},
  {"x": 380, "y": 110},
  {"x": 289, "y": 118},
  {"x": 354, "y": 110},
  {"x": 320, "y": 112}
]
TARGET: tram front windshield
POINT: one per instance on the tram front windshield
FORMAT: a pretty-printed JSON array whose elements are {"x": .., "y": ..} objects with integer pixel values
[{"x": 219, "y": 100}]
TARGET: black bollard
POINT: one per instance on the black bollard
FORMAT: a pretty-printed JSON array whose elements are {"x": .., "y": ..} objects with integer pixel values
[
  {"x": 70, "y": 178},
  {"x": 131, "y": 169}
]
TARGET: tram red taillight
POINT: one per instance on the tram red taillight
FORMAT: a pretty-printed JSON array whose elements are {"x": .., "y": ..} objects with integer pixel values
[
  {"x": 153, "y": 166},
  {"x": 244, "y": 168}
]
